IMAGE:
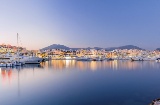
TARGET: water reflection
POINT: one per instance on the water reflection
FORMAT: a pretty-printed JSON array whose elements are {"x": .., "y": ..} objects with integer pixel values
[
  {"x": 12, "y": 76},
  {"x": 55, "y": 82},
  {"x": 93, "y": 65},
  {"x": 7, "y": 74}
]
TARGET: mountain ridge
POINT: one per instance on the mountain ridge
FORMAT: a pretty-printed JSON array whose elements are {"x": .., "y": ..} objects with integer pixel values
[
  {"x": 124, "y": 47},
  {"x": 59, "y": 46},
  {"x": 158, "y": 49}
]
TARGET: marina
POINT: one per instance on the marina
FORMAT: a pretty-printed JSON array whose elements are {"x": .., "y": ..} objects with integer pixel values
[
  {"x": 79, "y": 52},
  {"x": 18, "y": 56}
]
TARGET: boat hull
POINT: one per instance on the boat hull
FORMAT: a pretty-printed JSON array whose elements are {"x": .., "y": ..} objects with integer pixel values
[{"x": 6, "y": 65}]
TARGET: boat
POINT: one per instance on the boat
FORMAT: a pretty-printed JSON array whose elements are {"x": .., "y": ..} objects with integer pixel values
[
  {"x": 26, "y": 59},
  {"x": 69, "y": 57},
  {"x": 149, "y": 58},
  {"x": 32, "y": 60},
  {"x": 98, "y": 59},
  {"x": 83, "y": 58},
  {"x": 17, "y": 62},
  {"x": 158, "y": 60},
  {"x": 137, "y": 59},
  {"x": 6, "y": 64},
  {"x": 21, "y": 60},
  {"x": 110, "y": 59},
  {"x": 12, "y": 58},
  {"x": 155, "y": 102},
  {"x": 6, "y": 61}
]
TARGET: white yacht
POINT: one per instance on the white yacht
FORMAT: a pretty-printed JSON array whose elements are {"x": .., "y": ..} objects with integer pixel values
[
  {"x": 98, "y": 58},
  {"x": 69, "y": 57},
  {"x": 8, "y": 61},
  {"x": 143, "y": 58},
  {"x": 5, "y": 64},
  {"x": 20, "y": 60},
  {"x": 31, "y": 60},
  {"x": 26, "y": 59},
  {"x": 17, "y": 61},
  {"x": 150, "y": 58},
  {"x": 83, "y": 59}
]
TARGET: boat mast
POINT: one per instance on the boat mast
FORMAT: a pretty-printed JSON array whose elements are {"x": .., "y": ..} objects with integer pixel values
[{"x": 17, "y": 47}]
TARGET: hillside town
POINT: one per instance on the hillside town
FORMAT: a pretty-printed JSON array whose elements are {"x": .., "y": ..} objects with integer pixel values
[
  {"x": 83, "y": 54},
  {"x": 7, "y": 48},
  {"x": 117, "y": 54}
]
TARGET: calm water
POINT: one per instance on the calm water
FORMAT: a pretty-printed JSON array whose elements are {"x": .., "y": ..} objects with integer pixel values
[{"x": 81, "y": 83}]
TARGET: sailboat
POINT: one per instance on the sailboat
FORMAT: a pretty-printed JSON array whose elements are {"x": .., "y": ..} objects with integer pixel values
[
  {"x": 27, "y": 59},
  {"x": 17, "y": 62},
  {"x": 20, "y": 60}
]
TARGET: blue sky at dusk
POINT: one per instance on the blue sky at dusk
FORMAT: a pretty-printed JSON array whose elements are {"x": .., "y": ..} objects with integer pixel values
[{"x": 81, "y": 23}]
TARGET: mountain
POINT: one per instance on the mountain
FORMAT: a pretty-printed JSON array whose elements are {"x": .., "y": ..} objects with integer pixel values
[
  {"x": 97, "y": 48},
  {"x": 158, "y": 49},
  {"x": 124, "y": 47},
  {"x": 56, "y": 46}
]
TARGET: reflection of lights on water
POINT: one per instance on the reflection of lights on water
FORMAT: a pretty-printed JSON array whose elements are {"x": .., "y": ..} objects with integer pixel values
[
  {"x": 115, "y": 65},
  {"x": 93, "y": 65},
  {"x": 67, "y": 63}
]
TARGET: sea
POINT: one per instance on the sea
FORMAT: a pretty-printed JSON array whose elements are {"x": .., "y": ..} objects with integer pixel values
[{"x": 71, "y": 82}]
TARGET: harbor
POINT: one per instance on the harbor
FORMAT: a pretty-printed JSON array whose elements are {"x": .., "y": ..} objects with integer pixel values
[
  {"x": 17, "y": 56},
  {"x": 11, "y": 56},
  {"x": 79, "y": 52}
]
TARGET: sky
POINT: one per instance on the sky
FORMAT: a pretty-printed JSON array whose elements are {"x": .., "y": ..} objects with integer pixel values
[{"x": 80, "y": 23}]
